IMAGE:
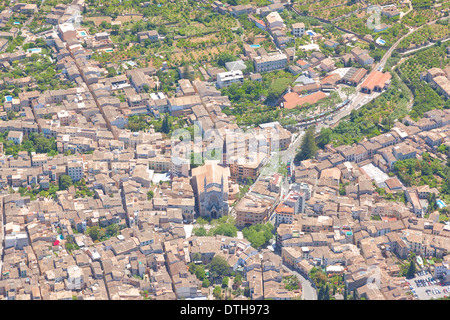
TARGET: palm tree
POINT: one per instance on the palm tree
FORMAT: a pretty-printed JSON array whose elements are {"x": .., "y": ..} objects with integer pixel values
[
  {"x": 349, "y": 90},
  {"x": 321, "y": 105}
]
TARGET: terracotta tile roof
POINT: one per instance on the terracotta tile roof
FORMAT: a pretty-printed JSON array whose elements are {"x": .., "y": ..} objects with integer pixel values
[
  {"x": 376, "y": 79},
  {"x": 284, "y": 209},
  {"x": 331, "y": 79},
  {"x": 292, "y": 99}
]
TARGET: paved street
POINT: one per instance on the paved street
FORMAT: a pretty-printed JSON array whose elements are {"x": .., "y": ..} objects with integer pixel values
[
  {"x": 360, "y": 99},
  {"x": 274, "y": 161}
]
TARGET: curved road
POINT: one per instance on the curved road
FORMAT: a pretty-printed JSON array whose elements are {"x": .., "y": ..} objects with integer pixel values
[
  {"x": 308, "y": 291},
  {"x": 359, "y": 99}
]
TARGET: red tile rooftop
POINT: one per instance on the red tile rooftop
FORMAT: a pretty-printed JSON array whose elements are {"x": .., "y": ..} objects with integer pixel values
[
  {"x": 376, "y": 79},
  {"x": 292, "y": 99}
]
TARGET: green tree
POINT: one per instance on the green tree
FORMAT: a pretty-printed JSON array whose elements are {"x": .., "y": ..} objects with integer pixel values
[
  {"x": 259, "y": 234},
  {"x": 166, "y": 126},
  {"x": 219, "y": 267},
  {"x": 325, "y": 137},
  {"x": 111, "y": 72},
  {"x": 277, "y": 88},
  {"x": 198, "y": 270},
  {"x": 200, "y": 231},
  {"x": 412, "y": 270},
  {"x": 320, "y": 294},
  {"x": 150, "y": 195},
  {"x": 202, "y": 221},
  {"x": 162, "y": 30},
  {"x": 217, "y": 292},
  {"x": 206, "y": 283},
  {"x": 237, "y": 280},
  {"x": 249, "y": 66},
  {"x": 96, "y": 233},
  {"x": 225, "y": 57},
  {"x": 65, "y": 182},
  {"x": 112, "y": 230},
  {"x": 348, "y": 90},
  {"x": 197, "y": 256},
  {"x": 226, "y": 229},
  {"x": 225, "y": 281},
  {"x": 308, "y": 146}
]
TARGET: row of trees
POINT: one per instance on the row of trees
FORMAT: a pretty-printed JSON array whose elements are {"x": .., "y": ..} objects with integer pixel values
[
  {"x": 222, "y": 226},
  {"x": 258, "y": 235},
  {"x": 425, "y": 98}
]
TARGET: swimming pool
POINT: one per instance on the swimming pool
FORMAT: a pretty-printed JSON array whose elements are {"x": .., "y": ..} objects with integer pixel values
[
  {"x": 35, "y": 50},
  {"x": 16, "y": 22},
  {"x": 441, "y": 204},
  {"x": 255, "y": 46},
  {"x": 8, "y": 98},
  {"x": 83, "y": 33},
  {"x": 380, "y": 41},
  {"x": 311, "y": 33},
  {"x": 109, "y": 50},
  {"x": 131, "y": 63}
]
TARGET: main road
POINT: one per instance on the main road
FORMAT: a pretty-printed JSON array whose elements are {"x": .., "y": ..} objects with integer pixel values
[{"x": 359, "y": 98}]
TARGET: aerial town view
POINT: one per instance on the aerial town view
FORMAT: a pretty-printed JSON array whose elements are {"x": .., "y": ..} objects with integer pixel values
[{"x": 224, "y": 150}]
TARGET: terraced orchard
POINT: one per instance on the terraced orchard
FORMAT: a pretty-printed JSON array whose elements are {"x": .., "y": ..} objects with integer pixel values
[{"x": 424, "y": 36}]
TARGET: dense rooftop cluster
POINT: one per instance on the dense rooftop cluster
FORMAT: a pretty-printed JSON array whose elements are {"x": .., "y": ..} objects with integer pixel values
[{"x": 147, "y": 157}]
